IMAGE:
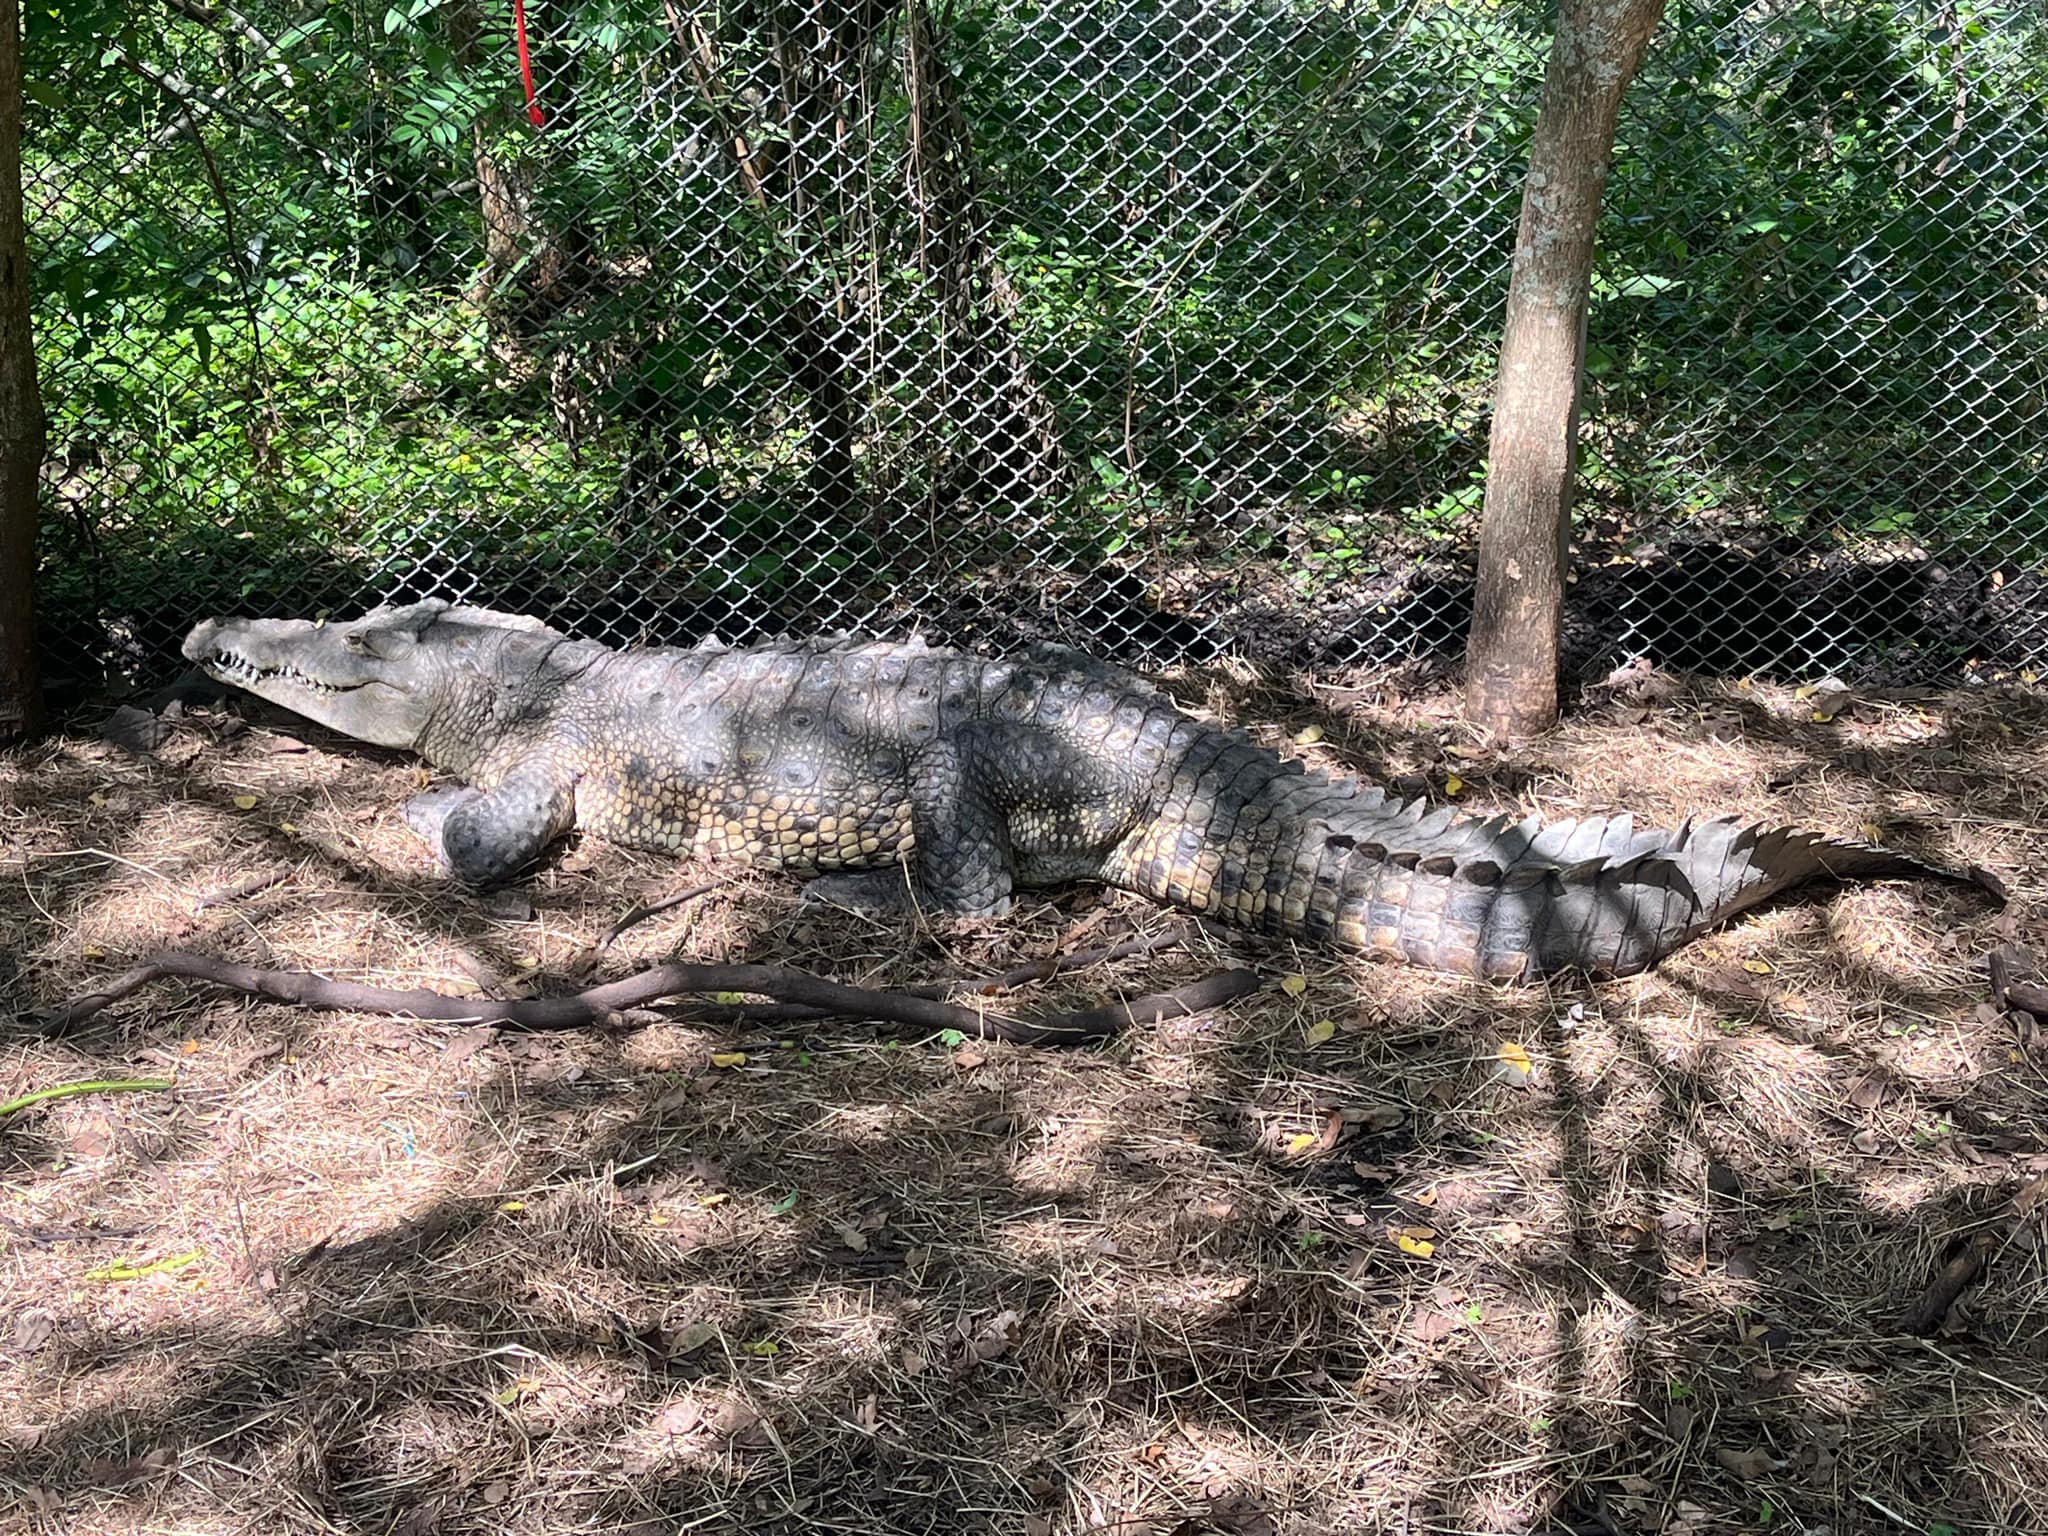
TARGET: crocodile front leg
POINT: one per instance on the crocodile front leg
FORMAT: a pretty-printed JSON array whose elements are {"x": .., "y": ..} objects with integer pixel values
[{"x": 484, "y": 838}]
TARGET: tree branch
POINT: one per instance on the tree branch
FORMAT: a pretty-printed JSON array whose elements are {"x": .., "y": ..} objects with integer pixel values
[{"x": 597, "y": 1004}]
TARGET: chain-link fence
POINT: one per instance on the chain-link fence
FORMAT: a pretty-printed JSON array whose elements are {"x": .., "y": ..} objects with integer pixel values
[{"x": 1161, "y": 326}]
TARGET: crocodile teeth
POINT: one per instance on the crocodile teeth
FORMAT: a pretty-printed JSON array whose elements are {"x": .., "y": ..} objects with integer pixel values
[{"x": 244, "y": 673}]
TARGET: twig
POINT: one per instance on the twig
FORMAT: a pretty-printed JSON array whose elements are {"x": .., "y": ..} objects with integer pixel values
[
  {"x": 221, "y": 895},
  {"x": 75, "y": 1090},
  {"x": 641, "y": 911},
  {"x": 598, "y": 1004}
]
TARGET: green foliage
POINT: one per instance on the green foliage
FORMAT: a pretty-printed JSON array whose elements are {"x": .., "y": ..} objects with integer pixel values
[{"x": 1254, "y": 255}]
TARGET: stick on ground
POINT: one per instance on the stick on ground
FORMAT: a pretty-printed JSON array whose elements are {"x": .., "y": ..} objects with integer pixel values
[{"x": 597, "y": 1004}]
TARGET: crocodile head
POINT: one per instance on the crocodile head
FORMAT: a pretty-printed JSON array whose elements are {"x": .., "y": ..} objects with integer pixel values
[{"x": 394, "y": 677}]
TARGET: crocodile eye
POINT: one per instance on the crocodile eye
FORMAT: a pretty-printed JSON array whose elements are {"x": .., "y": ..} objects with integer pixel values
[{"x": 354, "y": 642}]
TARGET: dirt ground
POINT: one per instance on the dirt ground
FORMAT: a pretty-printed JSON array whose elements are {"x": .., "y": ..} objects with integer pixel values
[{"x": 1368, "y": 1251}]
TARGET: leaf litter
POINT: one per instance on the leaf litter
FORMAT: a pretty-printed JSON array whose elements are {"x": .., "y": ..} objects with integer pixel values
[{"x": 1009, "y": 1275}]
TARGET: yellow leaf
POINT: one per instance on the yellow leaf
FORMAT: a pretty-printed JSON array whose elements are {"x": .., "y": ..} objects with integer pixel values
[
  {"x": 93, "y": 952},
  {"x": 1453, "y": 785},
  {"x": 2029, "y": 675},
  {"x": 1823, "y": 716},
  {"x": 763, "y": 1347},
  {"x": 1871, "y": 832},
  {"x": 657, "y": 1220},
  {"x": 190, "y": 1047},
  {"x": 287, "y": 826},
  {"x": 729, "y": 999},
  {"x": 513, "y": 1207},
  {"x": 1321, "y": 1030},
  {"x": 1745, "y": 684},
  {"x": 1420, "y": 1247},
  {"x": 717, "y": 1197},
  {"x": 1308, "y": 736},
  {"x": 1299, "y": 1143},
  {"x": 1294, "y": 985},
  {"x": 729, "y": 1058},
  {"x": 1806, "y": 690},
  {"x": 97, "y": 798},
  {"x": 1757, "y": 967},
  {"x": 137, "y": 1269},
  {"x": 1515, "y": 1054},
  {"x": 245, "y": 802}
]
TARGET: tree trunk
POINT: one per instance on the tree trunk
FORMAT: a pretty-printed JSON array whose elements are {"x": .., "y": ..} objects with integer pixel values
[
  {"x": 1512, "y": 658},
  {"x": 1008, "y": 444},
  {"x": 21, "y": 414}
]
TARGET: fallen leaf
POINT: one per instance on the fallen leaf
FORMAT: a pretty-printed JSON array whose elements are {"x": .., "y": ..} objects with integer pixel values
[
  {"x": 123, "y": 1270},
  {"x": 1294, "y": 985},
  {"x": 1308, "y": 735},
  {"x": 466, "y": 1043},
  {"x": 1419, "y": 1242},
  {"x": 1871, "y": 832},
  {"x": 997, "y": 1335},
  {"x": 1869, "y": 1090},
  {"x": 1432, "y": 1325},
  {"x": 1757, "y": 967},
  {"x": 1300, "y": 1142},
  {"x": 679, "y": 1418},
  {"x": 692, "y": 1337},
  {"x": 1748, "y": 1464},
  {"x": 2032, "y": 1196},
  {"x": 495, "y": 1493},
  {"x": 1322, "y": 1031},
  {"x": 245, "y": 802},
  {"x": 762, "y": 1347},
  {"x": 1453, "y": 785},
  {"x": 1513, "y": 1067},
  {"x": 854, "y": 1238},
  {"x": 728, "y": 1058},
  {"x": 32, "y": 1330},
  {"x": 1373, "y": 1119}
]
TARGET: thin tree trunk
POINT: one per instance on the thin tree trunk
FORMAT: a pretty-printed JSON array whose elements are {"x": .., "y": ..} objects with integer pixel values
[
  {"x": 21, "y": 414},
  {"x": 1009, "y": 443},
  {"x": 1512, "y": 658}
]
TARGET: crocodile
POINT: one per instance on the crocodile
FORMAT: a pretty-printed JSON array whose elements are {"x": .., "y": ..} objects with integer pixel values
[{"x": 898, "y": 774}]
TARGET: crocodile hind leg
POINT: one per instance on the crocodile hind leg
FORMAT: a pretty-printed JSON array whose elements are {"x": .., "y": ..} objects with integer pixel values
[
  {"x": 483, "y": 838},
  {"x": 961, "y": 863}
]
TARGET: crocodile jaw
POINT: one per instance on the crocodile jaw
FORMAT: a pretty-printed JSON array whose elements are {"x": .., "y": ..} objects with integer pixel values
[{"x": 325, "y": 672}]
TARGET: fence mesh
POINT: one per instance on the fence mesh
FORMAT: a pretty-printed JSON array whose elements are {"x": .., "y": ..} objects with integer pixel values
[{"x": 1164, "y": 328}]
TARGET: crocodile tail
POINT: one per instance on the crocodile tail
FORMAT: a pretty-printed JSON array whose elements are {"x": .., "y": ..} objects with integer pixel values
[{"x": 1295, "y": 854}]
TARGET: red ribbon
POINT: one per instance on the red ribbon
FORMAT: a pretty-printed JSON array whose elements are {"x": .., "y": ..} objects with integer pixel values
[{"x": 525, "y": 63}]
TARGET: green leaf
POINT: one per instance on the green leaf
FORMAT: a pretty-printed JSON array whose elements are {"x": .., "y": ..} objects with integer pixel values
[
  {"x": 951, "y": 1037},
  {"x": 786, "y": 1204}
]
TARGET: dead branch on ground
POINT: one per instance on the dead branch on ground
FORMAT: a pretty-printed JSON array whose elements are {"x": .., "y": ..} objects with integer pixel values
[{"x": 599, "y": 1004}]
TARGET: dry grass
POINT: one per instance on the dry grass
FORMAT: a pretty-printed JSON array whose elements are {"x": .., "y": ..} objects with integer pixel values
[{"x": 436, "y": 1284}]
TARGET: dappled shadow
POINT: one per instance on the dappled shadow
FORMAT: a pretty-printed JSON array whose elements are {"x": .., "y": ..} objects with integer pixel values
[{"x": 594, "y": 1280}]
